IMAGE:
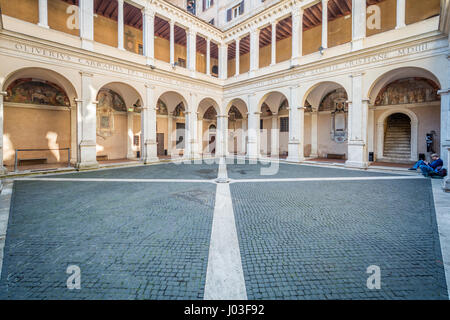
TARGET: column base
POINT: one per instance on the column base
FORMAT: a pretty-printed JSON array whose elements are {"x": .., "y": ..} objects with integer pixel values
[
  {"x": 294, "y": 154},
  {"x": 88, "y": 156},
  {"x": 314, "y": 155},
  {"x": 151, "y": 160},
  {"x": 356, "y": 164},
  {"x": 87, "y": 165},
  {"x": 3, "y": 170},
  {"x": 357, "y": 44},
  {"x": 446, "y": 184}
]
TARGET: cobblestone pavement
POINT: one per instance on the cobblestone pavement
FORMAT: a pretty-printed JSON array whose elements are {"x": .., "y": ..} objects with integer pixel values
[
  {"x": 131, "y": 241},
  {"x": 315, "y": 240},
  {"x": 237, "y": 170},
  {"x": 157, "y": 171},
  {"x": 148, "y": 240}
]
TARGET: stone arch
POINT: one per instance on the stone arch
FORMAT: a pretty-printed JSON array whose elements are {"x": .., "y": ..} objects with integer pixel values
[
  {"x": 327, "y": 119},
  {"x": 238, "y": 126},
  {"x": 381, "y": 128},
  {"x": 205, "y": 104},
  {"x": 173, "y": 99},
  {"x": 273, "y": 100},
  {"x": 119, "y": 123},
  {"x": 39, "y": 113},
  {"x": 385, "y": 78}
]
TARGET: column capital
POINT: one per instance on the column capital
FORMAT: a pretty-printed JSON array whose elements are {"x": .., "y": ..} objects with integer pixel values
[
  {"x": 150, "y": 86},
  {"x": 148, "y": 12},
  {"x": 443, "y": 92},
  {"x": 3, "y": 93},
  {"x": 172, "y": 22},
  {"x": 357, "y": 74},
  {"x": 86, "y": 74}
]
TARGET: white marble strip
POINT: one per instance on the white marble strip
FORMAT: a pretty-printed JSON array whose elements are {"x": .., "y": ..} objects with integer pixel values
[
  {"x": 442, "y": 208},
  {"x": 5, "y": 203},
  {"x": 327, "y": 179},
  {"x": 224, "y": 275},
  {"x": 116, "y": 180}
]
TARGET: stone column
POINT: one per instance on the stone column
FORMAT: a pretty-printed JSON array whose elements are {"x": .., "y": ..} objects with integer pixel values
[
  {"x": 148, "y": 18},
  {"x": 358, "y": 119},
  {"x": 130, "y": 136},
  {"x": 223, "y": 61},
  {"x": 86, "y": 12},
  {"x": 296, "y": 126},
  {"x": 208, "y": 56},
  {"x": 149, "y": 114},
  {"x": 200, "y": 133},
  {"x": 371, "y": 131},
  {"x": 221, "y": 135},
  {"x": 274, "y": 138},
  {"x": 324, "y": 24},
  {"x": 191, "y": 133},
  {"x": 172, "y": 42},
  {"x": 314, "y": 134},
  {"x": 274, "y": 44},
  {"x": 73, "y": 133},
  {"x": 254, "y": 49},
  {"x": 445, "y": 134},
  {"x": 191, "y": 50},
  {"x": 169, "y": 133},
  {"x": 244, "y": 134},
  {"x": 238, "y": 57},
  {"x": 120, "y": 25},
  {"x": 297, "y": 36},
  {"x": 43, "y": 13},
  {"x": 87, "y": 124},
  {"x": 358, "y": 24},
  {"x": 253, "y": 128},
  {"x": 2, "y": 168},
  {"x": 401, "y": 14}
]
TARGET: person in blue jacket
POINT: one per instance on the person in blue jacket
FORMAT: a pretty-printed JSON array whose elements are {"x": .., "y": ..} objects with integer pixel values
[{"x": 426, "y": 168}]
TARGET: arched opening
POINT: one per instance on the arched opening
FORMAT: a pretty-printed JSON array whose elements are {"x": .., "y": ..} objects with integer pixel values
[
  {"x": 273, "y": 123},
  {"x": 171, "y": 125},
  {"x": 209, "y": 136},
  {"x": 411, "y": 92},
  {"x": 39, "y": 120},
  {"x": 237, "y": 127},
  {"x": 397, "y": 137},
  {"x": 208, "y": 110},
  {"x": 118, "y": 125},
  {"x": 326, "y": 123}
]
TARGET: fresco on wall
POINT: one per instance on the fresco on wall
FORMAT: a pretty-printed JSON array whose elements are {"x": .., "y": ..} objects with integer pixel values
[
  {"x": 161, "y": 108},
  {"x": 283, "y": 106},
  {"x": 38, "y": 92},
  {"x": 408, "y": 91},
  {"x": 265, "y": 110},
  {"x": 210, "y": 114},
  {"x": 336, "y": 99},
  {"x": 179, "y": 110},
  {"x": 108, "y": 102},
  {"x": 234, "y": 114}
]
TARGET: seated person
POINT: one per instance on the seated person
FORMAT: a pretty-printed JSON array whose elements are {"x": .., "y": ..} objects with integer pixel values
[{"x": 427, "y": 168}]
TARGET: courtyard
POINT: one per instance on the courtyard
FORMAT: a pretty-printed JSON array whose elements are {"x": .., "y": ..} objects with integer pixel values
[{"x": 231, "y": 230}]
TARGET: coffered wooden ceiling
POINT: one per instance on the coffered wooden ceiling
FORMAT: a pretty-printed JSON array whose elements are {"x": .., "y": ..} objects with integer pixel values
[{"x": 312, "y": 17}]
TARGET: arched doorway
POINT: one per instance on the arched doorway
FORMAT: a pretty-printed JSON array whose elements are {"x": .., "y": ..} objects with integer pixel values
[
  {"x": 212, "y": 139},
  {"x": 274, "y": 112},
  {"x": 237, "y": 127},
  {"x": 207, "y": 124},
  {"x": 397, "y": 137},
  {"x": 326, "y": 122},
  {"x": 405, "y": 104},
  {"x": 39, "y": 120},
  {"x": 118, "y": 122}
]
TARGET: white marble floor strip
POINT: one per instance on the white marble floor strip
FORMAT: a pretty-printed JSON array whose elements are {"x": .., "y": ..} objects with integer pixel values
[
  {"x": 224, "y": 275},
  {"x": 442, "y": 208},
  {"x": 5, "y": 203}
]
